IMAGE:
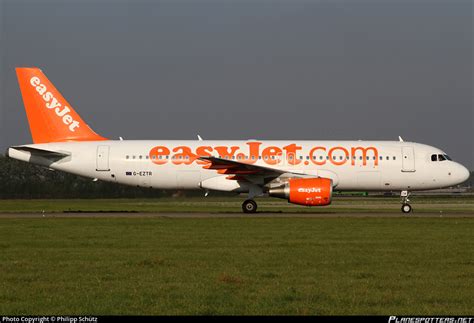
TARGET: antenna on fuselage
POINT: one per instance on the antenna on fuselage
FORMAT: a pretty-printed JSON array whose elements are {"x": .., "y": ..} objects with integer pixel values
[
  {"x": 400, "y": 138},
  {"x": 199, "y": 138}
]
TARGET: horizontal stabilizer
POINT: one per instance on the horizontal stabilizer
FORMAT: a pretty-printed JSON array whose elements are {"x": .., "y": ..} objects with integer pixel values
[{"x": 42, "y": 152}]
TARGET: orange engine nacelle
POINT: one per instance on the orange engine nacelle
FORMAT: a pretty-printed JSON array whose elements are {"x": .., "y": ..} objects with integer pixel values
[{"x": 305, "y": 191}]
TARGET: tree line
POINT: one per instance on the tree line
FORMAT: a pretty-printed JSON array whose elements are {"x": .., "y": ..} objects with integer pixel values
[{"x": 20, "y": 180}]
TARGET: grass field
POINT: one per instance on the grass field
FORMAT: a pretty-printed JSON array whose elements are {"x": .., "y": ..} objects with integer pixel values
[
  {"x": 240, "y": 265},
  {"x": 219, "y": 205}
]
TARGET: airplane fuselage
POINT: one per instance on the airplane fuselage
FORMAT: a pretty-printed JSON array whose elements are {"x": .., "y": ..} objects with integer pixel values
[{"x": 173, "y": 164}]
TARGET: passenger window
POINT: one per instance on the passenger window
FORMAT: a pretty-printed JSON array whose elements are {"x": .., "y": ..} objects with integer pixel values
[
  {"x": 127, "y": 157},
  {"x": 388, "y": 157},
  {"x": 394, "y": 158},
  {"x": 434, "y": 157}
]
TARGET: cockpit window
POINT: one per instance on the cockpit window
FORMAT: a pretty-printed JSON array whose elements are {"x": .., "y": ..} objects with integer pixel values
[{"x": 440, "y": 157}]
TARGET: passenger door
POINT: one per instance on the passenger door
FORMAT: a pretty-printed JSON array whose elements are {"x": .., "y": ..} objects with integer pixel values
[
  {"x": 103, "y": 158},
  {"x": 408, "y": 159}
]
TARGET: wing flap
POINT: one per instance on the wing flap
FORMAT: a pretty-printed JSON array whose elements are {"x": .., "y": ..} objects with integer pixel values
[
  {"x": 255, "y": 174},
  {"x": 232, "y": 167}
]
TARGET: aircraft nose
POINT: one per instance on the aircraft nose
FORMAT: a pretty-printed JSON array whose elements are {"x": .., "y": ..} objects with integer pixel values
[{"x": 463, "y": 174}]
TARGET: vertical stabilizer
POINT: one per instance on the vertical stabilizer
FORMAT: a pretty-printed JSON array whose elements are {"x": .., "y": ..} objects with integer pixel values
[{"x": 51, "y": 117}]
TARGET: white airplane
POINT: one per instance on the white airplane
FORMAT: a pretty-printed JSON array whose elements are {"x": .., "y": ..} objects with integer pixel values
[{"x": 303, "y": 172}]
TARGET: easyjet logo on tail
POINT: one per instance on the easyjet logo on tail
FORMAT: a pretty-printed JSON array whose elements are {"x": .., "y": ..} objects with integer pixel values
[{"x": 52, "y": 103}]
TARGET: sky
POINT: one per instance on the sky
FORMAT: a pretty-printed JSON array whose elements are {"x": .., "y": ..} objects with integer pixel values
[{"x": 262, "y": 69}]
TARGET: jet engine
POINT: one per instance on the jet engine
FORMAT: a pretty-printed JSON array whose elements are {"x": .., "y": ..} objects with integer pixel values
[{"x": 305, "y": 191}]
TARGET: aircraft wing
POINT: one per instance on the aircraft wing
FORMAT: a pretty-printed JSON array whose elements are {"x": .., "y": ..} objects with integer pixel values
[{"x": 243, "y": 171}]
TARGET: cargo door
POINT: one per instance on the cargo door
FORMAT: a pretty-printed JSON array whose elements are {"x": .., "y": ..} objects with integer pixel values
[
  {"x": 188, "y": 179},
  {"x": 369, "y": 180}
]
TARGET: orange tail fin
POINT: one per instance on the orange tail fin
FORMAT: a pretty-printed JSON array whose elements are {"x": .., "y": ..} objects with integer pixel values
[{"x": 51, "y": 117}]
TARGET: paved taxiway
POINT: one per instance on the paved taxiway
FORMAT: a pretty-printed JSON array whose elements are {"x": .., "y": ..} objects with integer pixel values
[{"x": 232, "y": 215}]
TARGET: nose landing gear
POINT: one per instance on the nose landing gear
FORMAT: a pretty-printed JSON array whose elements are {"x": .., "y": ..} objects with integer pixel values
[{"x": 406, "y": 208}]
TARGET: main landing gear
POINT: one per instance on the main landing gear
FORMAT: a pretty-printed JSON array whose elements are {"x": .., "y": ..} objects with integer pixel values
[
  {"x": 406, "y": 208},
  {"x": 249, "y": 206}
]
